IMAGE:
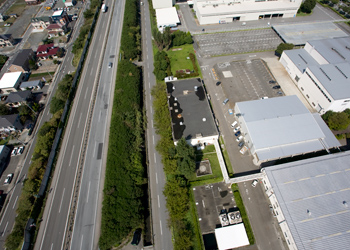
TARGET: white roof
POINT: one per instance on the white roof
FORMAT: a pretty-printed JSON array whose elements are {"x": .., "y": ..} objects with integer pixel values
[
  {"x": 167, "y": 16},
  {"x": 231, "y": 237},
  {"x": 320, "y": 185},
  {"x": 57, "y": 13},
  {"x": 283, "y": 126},
  {"x": 9, "y": 80}
]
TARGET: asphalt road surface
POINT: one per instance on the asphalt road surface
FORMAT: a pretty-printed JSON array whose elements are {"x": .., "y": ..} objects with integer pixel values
[
  {"x": 161, "y": 232},
  {"x": 86, "y": 225},
  {"x": 55, "y": 219}
]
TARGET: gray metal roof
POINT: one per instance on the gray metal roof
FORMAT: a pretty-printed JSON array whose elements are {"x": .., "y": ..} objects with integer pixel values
[
  {"x": 193, "y": 107},
  {"x": 300, "y": 58},
  {"x": 30, "y": 84},
  {"x": 299, "y": 34},
  {"x": 319, "y": 185},
  {"x": 283, "y": 126}
]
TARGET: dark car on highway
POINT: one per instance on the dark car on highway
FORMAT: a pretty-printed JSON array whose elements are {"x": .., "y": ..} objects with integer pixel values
[
  {"x": 238, "y": 133},
  {"x": 218, "y": 83},
  {"x": 272, "y": 81},
  {"x": 137, "y": 237},
  {"x": 276, "y": 87}
]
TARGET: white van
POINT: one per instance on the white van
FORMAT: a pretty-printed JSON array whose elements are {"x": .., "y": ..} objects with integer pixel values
[{"x": 233, "y": 124}]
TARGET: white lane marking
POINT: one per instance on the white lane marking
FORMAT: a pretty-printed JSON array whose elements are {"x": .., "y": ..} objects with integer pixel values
[
  {"x": 5, "y": 229},
  {"x": 87, "y": 197},
  {"x": 15, "y": 203},
  {"x": 153, "y": 139},
  {"x": 59, "y": 211},
  {"x": 99, "y": 117},
  {"x": 51, "y": 246},
  {"x": 48, "y": 111},
  {"x": 161, "y": 231},
  {"x": 149, "y": 84},
  {"x": 86, "y": 92},
  {"x": 152, "y": 123},
  {"x": 79, "y": 120},
  {"x": 71, "y": 156},
  {"x": 151, "y": 110},
  {"x": 158, "y": 202},
  {"x": 81, "y": 242},
  {"x": 203, "y": 203},
  {"x": 156, "y": 178},
  {"x": 155, "y": 160},
  {"x": 95, "y": 149}
]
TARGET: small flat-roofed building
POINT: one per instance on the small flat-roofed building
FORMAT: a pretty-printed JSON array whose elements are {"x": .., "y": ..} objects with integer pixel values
[
  {"x": 160, "y": 4},
  {"x": 310, "y": 199},
  {"x": 282, "y": 127},
  {"x": 10, "y": 82},
  {"x": 227, "y": 11},
  {"x": 167, "y": 17},
  {"x": 32, "y": 85},
  {"x": 232, "y": 236},
  {"x": 190, "y": 112},
  {"x": 321, "y": 71}
]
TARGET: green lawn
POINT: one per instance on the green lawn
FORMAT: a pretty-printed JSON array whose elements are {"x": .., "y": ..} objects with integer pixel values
[
  {"x": 17, "y": 8},
  {"x": 178, "y": 57}
]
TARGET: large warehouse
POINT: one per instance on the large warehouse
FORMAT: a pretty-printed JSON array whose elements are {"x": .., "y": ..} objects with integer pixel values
[
  {"x": 191, "y": 115},
  {"x": 226, "y": 11},
  {"x": 310, "y": 199},
  {"x": 282, "y": 127},
  {"x": 321, "y": 71}
]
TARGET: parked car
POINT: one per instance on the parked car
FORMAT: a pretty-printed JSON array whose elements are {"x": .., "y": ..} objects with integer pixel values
[
  {"x": 234, "y": 124},
  {"x": 279, "y": 93},
  {"x": 14, "y": 151},
  {"x": 225, "y": 101},
  {"x": 218, "y": 83},
  {"x": 241, "y": 144},
  {"x": 230, "y": 111},
  {"x": 8, "y": 179},
  {"x": 264, "y": 97},
  {"x": 237, "y": 129},
  {"x": 238, "y": 133},
  {"x": 136, "y": 238},
  {"x": 254, "y": 183},
  {"x": 110, "y": 65},
  {"x": 276, "y": 87},
  {"x": 20, "y": 150},
  {"x": 272, "y": 81},
  {"x": 239, "y": 138}
]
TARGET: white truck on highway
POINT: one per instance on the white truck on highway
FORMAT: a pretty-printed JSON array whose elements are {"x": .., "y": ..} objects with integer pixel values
[{"x": 104, "y": 8}]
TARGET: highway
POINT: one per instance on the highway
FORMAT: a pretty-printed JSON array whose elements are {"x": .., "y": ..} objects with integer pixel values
[
  {"x": 55, "y": 218},
  {"x": 87, "y": 223},
  {"x": 161, "y": 233},
  {"x": 9, "y": 213}
]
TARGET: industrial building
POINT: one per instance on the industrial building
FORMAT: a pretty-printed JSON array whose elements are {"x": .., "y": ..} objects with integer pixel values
[
  {"x": 310, "y": 199},
  {"x": 167, "y": 17},
  {"x": 160, "y": 4},
  {"x": 226, "y": 11},
  {"x": 281, "y": 127},
  {"x": 190, "y": 112},
  {"x": 321, "y": 71}
]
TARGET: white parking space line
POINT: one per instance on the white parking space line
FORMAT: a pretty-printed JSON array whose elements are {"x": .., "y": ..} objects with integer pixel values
[{"x": 81, "y": 241}]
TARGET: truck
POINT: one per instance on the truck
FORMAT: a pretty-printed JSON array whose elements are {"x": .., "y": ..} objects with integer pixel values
[{"x": 104, "y": 8}]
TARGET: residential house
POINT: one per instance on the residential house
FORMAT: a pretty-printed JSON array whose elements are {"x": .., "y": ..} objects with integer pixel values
[
  {"x": 60, "y": 16},
  {"x": 17, "y": 99},
  {"x": 56, "y": 29},
  {"x": 41, "y": 23},
  {"x": 46, "y": 50},
  {"x": 6, "y": 40},
  {"x": 70, "y": 3},
  {"x": 21, "y": 61},
  {"x": 32, "y": 85},
  {"x": 10, "y": 82},
  {"x": 10, "y": 123},
  {"x": 30, "y": 2}
]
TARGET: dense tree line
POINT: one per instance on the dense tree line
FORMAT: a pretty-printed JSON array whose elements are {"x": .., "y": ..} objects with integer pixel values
[
  {"x": 337, "y": 120},
  {"x": 125, "y": 181},
  {"x": 283, "y": 46},
  {"x": 26, "y": 201},
  {"x": 165, "y": 40},
  {"x": 161, "y": 65},
  {"x": 59, "y": 99},
  {"x": 179, "y": 164}
]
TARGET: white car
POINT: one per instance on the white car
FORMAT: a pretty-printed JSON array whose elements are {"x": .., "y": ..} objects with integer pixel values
[
  {"x": 20, "y": 150},
  {"x": 239, "y": 138},
  {"x": 254, "y": 183},
  {"x": 8, "y": 179},
  {"x": 14, "y": 151},
  {"x": 237, "y": 129}
]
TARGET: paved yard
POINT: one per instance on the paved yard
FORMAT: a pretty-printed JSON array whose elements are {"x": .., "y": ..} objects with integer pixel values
[{"x": 237, "y": 42}]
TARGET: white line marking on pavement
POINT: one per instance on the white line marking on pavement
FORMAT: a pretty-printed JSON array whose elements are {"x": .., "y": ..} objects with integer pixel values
[
  {"x": 59, "y": 211},
  {"x": 71, "y": 156},
  {"x": 15, "y": 203},
  {"x": 51, "y": 246},
  {"x": 95, "y": 148},
  {"x": 87, "y": 197},
  {"x": 5, "y": 229},
  {"x": 86, "y": 93},
  {"x": 161, "y": 231},
  {"x": 79, "y": 120},
  {"x": 81, "y": 242},
  {"x": 152, "y": 123},
  {"x": 153, "y": 139},
  {"x": 158, "y": 202},
  {"x": 203, "y": 203},
  {"x": 155, "y": 160},
  {"x": 156, "y": 178}
]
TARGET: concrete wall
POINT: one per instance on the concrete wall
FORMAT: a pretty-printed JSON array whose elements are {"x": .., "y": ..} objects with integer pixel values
[{"x": 209, "y": 140}]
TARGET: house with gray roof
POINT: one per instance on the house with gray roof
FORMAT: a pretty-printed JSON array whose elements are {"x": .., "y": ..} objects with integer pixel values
[
  {"x": 33, "y": 85},
  {"x": 321, "y": 71},
  {"x": 190, "y": 112},
  {"x": 282, "y": 127},
  {"x": 21, "y": 62},
  {"x": 10, "y": 123},
  {"x": 6, "y": 40},
  {"x": 41, "y": 23},
  {"x": 310, "y": 199},
  {"x": 17, "y": 99}
]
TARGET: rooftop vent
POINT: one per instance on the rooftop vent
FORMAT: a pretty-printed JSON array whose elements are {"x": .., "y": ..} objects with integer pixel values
[
  {"x": 195, "y": 88},
  {"x": 176, "y": 110},
  {"x": 336, "y": 51},
  {"x": 308, "y": 212},
  {"x": 181, "y": 123},
  {"x": 325, "y": 74},
  {"x": 345, "y": 204},
  {"x": 341, "y": 72},
  {"x": 204, "y": 119}
]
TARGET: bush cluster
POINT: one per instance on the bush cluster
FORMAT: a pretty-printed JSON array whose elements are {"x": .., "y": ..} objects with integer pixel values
[
  {"x": 337, "y": 120},
  {"x": 161, "y": 65},
  {"x": 180, "y": 38},
  {"x": 61, "y": 95}
]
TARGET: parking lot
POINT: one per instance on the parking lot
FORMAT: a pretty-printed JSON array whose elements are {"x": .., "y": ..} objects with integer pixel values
[
  {"x": 237, "y": 42},
  {"x": 246, "y": 80}
]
